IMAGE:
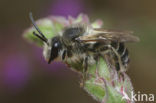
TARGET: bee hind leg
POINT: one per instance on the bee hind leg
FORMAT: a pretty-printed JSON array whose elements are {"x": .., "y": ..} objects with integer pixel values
[
  {"x": 120, "y": 67},
  {"x": 84, "y": 72}
]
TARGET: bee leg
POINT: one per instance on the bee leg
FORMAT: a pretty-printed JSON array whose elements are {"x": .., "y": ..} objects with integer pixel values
[
  {"x": 122, "y": 69},
  {"x": 84, "y": 72}
]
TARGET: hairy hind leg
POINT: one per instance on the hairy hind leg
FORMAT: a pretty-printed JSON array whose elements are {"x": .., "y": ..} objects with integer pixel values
[{"x": 122, "y": 68}]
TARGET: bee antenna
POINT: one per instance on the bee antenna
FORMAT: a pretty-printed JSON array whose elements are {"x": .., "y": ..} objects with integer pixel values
[{"x": 42, "y": 37}]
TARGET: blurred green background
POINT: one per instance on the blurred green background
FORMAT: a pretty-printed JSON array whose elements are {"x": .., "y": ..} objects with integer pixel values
[{"x": 26, "y": 78}]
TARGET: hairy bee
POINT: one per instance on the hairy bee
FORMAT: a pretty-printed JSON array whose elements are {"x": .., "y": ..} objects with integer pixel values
[{"x": 81, "y": 44}]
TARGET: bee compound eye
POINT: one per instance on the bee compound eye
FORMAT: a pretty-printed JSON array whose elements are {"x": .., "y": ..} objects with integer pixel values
[{"x": 56, "y": 46}]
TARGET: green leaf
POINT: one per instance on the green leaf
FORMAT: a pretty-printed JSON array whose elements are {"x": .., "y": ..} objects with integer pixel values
[
  {"x": 96, "y": 91},
  {"x": 99, "y": 86}
]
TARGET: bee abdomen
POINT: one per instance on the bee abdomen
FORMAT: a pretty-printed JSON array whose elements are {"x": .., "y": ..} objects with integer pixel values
[{"x": 123, "y": 54}]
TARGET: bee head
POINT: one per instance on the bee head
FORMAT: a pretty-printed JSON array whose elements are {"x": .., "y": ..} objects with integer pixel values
[
  {"x": 52, "y": 49},
  {"x": 51, "y": 46}
]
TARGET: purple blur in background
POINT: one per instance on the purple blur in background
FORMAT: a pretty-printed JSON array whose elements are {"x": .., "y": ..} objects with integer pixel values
[
  {"x": 16, "y": 72},
  {"x": 67, "y": 7}
]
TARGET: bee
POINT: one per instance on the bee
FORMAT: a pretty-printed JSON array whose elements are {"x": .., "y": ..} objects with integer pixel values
[{"x": 79, "y": 46}]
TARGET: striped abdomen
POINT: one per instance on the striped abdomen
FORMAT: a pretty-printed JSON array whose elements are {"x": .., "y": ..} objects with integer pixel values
[
  {"x": 123, "y": 54},
  {"x": 120, "y": 48}
]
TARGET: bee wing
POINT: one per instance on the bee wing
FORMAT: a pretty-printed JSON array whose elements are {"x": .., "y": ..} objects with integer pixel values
[{"x": 103, "y": 35}]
